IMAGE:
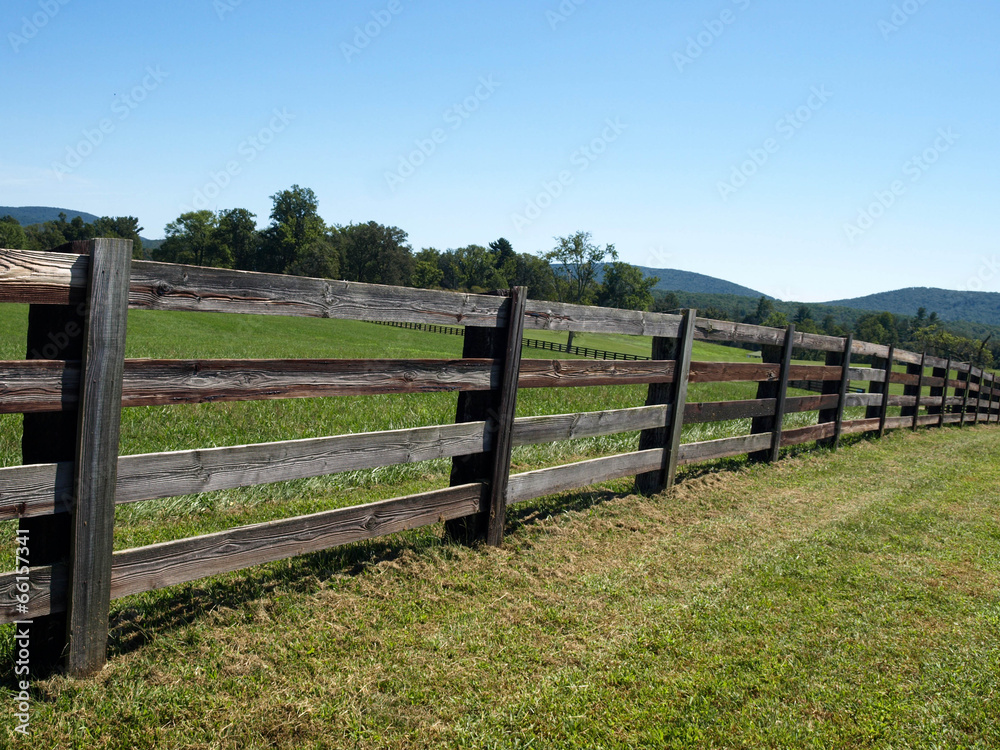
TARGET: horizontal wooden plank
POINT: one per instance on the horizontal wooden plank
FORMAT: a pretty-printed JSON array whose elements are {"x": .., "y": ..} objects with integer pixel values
[
  {"x": 859, "y": 425},
  {"x": 795, "y": 404},
  {"x": 727, "y": 372},
  {"x": 27, "y": 491},
  {"x": 157, "y": 382},
  {"x": 926, "y": 420},
  {"x": 721, "y": 411},
  {"x": 560, "y": 316},
  {"x": 952, "y": 418},
  {"x": 167, "y": 286},
  {"x": 156, "y": 566},
  {"x": 894, "y": 423},
  {"x": 41, "y": 385},
  {"x": 28, "y": 386},
  {"x": 563, "y": 373},
  {"x": 46, "y": 594},
  {"x": 533, "y": 430},
  {"x": 806, "y": 434},
  {"x": 543, "y": 482},
  {"x": 35, "y": 490},
  {"x": 154, "y": 475},
  {"x": 863, "y": 399},
  {"x": 690, "y": 453},
  {"x": 42, "y": 278},
  {"x": 866, "y": 374}
]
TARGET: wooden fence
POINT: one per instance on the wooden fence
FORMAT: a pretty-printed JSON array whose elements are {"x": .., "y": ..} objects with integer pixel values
[{"x": 76, "y": 380}]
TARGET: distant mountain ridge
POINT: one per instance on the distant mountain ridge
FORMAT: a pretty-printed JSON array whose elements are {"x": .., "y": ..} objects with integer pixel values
[
  {"x": 949, "y": 304},
  {"x": 674, "y": 280},
  {"x": 28, "y": 215}
]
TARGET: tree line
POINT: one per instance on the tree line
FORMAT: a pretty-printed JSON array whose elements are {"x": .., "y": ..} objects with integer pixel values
[
  {"x": 922, "y": 332},
  {"x": 51, "y": 234}
]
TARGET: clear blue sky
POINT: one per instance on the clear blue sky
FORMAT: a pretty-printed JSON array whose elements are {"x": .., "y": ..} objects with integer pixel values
[{"x": 738, "y": 138}]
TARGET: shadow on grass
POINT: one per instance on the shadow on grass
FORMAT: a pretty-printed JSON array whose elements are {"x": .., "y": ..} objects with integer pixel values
[{"x": 137, "y": 620}]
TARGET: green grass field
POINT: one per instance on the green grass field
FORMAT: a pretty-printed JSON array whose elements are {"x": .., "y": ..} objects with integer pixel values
[{"x": 833, "y": 600}]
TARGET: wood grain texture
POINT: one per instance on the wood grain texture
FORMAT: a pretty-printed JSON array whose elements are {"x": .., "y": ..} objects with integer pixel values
[
  {"x": 44, "y": 278},
  {"x": 534, "y": 430},
  {"x": 543, "y": 482},
  {"x": 564, "y": 373},
  {"x": 855, "y": 426},
  {"x": 806, "y": 434},
  {"x": 46, "y": 595},
  {"x": 560, "y": 316},
  {"x": 96, "y": 469},
  {"x": 797, "y": 404},
  {"x": 37, "y": 386},
  {"x": 661, "y": 395},
  {"x": 154, "y": 475},
  {"x": 502, "y": 423},
  {"x": 735, "y": 446},
  {"x": 723, "y": 411},
  {"x": 169, "y": 563},
  {"x": 165, "y": 286},
  {"x": 895, "y": 423},
  {"x": 36, "y": 490}
]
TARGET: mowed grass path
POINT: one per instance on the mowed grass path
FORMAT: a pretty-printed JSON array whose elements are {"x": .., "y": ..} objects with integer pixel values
[{"x": 842, "y": 599}]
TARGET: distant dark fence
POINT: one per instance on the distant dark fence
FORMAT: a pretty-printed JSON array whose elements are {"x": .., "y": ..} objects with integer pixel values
[
  {"x": 76, "y": 381},
  {"x": 583, "y": 351}
]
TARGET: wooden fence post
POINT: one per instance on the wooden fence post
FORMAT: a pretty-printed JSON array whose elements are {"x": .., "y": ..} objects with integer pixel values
[
  {"x": 773, "y": 389},
  {"x": 496, "y": 407},
  {"x": 919, "y": 391},
  {"x": 674, "y": 395},
  {"x": 978, "y": 380},
  {"x": 940, "y": 393},
  {"x": 835, "y": 415},
  {"x": 965, "y": 378},
  {"x": 845, "y": 382},
  {"x": 989, "y": 398},
  {"x": 884, "y": 408},
  {"x": 911, "y": 390},
  {"x": 55, "y": 332},
  {"x": 881, "y": 412},
  {"x": 96, "y": 469}
]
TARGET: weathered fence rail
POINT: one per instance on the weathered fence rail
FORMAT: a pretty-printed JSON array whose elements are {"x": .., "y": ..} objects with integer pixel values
[{"x": 76, "y": 380}]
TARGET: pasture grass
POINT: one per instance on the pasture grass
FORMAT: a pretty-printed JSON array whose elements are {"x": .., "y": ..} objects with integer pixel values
[{"x": 843, "y": 599}]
